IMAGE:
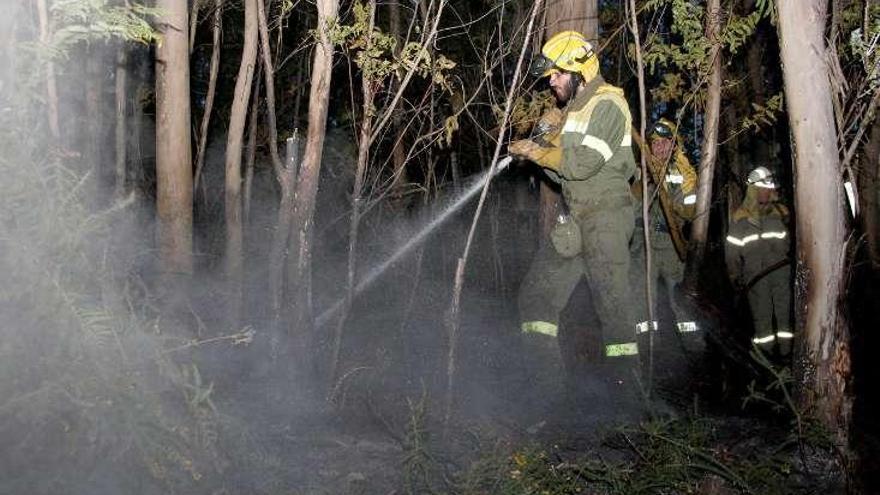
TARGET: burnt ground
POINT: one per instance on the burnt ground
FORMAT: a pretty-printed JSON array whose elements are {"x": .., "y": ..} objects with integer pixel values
[
  {"x": 276, "y": 425},
  {"x": 379, "y": 427}
]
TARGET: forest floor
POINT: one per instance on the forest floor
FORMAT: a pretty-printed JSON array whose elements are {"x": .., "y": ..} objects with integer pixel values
[{"x": 380, "y": 428}]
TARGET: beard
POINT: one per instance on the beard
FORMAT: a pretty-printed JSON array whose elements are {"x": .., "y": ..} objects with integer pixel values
[{"x": 565, "y": 92}]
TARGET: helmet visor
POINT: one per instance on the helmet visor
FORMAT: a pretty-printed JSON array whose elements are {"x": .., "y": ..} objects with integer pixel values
[
  {"x": 662, "y": 130},
  {"x": 541, "y": 66}
]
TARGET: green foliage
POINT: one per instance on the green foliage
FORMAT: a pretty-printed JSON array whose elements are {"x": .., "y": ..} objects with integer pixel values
[
  {"x": 762, "y": 115},
  {"x": 79, "y": 21},
  {"x": 376, "y": 53},
  {"x": 684, "y": 58},
  {"x": 739, "y": 29},
  {"x": 863, "y": 48}
]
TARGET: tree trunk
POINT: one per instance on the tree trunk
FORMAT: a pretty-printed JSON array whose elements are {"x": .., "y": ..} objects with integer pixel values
[
  {"x": 307, "y": 184},
  {"x": 577, "y": 15},
  {"x": 173, "y": 154},
  {"x": 212, "y": 90},
  {"x": 356, "y": 201},
  {"x": 822, "y": 351},
  {"x": 398, "y": 153},
  {"x": 94, "y": 89},
  {"x": 708, "y": 154},
  {"x": 238, "y": 116},
  {"x": 251, "y": 156},
  {"x": 51, "y": 88},
  {"x": 281, "y": 242},
  {"x": 121, "y": 118},
  {"x": 269, "y": 74}
]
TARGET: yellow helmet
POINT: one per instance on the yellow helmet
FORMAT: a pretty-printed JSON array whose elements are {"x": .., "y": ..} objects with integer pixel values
[{"x": 569, "y": 51}]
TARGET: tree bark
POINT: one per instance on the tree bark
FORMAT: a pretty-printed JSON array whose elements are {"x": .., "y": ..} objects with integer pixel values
[
  {"x": 398, "y": 153},
  {"x": 173, "y": 154},
  {"x": 269, "y": 76},
  {"x": 238, "y": 115},
  {"x": 212, "y": 91},
  {"x": 251, "y": 156},
  {"x": 356, "y": 201},
  {"x": 94, "y": 89},
  {"x": 822, "y": 363},
  {"x": 51, "y": 88},
  {"x": 307, "y": 185},
  {"x": 121, "y": 119},
  {"x": 577, "y": 15},
  {"x": 708, "y": 154}
]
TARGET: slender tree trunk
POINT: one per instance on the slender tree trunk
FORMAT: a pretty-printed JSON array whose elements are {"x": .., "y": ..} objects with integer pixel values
[
  {"x": 400, "y": 178},
  {"x": 212, "y": 91},
  {"x": 356, "y": 201},
  {"x": 822, "y": 361},
  {"x": 94, "y": 110},
  {"x": 194, "y": 23},
  {"x": 173, "y": 154},
  {"x": 51, "y": 88},
  {"x": 269, "y": 74},
  {"x": 251, "y": 156},
  {"x": 708, "y": 154},
  {"x": 238, "y": 116},
  {"x": 307, "y": 184},
  {"x": 281, "y": 243},
  {"x": 121, "y": 118},
  {"x": 646, "y": 202}
]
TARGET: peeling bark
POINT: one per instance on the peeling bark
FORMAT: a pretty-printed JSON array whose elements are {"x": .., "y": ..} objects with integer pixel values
[{"x": 822, "y": 350}]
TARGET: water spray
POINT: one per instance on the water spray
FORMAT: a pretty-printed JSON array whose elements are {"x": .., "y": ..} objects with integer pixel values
[{"x": 417, "y": 239}]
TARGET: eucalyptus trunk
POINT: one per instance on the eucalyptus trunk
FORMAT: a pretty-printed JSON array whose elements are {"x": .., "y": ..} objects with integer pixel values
[
  {"x": 51, "y": 86},
  {"x": 299, "y": 276},
  {"x": 121, "y": 131},
  {"x": 233, "y": 204},
  {"x": 822, "y": 363},
  {"x": 173, "y": 154}
]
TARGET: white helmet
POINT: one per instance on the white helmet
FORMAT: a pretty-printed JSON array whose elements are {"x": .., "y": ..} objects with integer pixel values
[{"x": 761, "y": 177}]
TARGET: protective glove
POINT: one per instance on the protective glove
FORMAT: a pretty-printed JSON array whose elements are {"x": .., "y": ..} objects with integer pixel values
[{"x": 545, "y": 156}]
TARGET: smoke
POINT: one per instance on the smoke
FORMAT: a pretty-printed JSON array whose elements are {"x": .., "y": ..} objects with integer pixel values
[
  {"x": 109, "y": 386},
  {"x": 93, "y": 398}
]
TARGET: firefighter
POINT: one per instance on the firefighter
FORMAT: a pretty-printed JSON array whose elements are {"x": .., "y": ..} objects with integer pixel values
[
  {"x": 756, "y": 251},
  {"x": 590, "y": 157},
  {"x": 670, "y": 209}
]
